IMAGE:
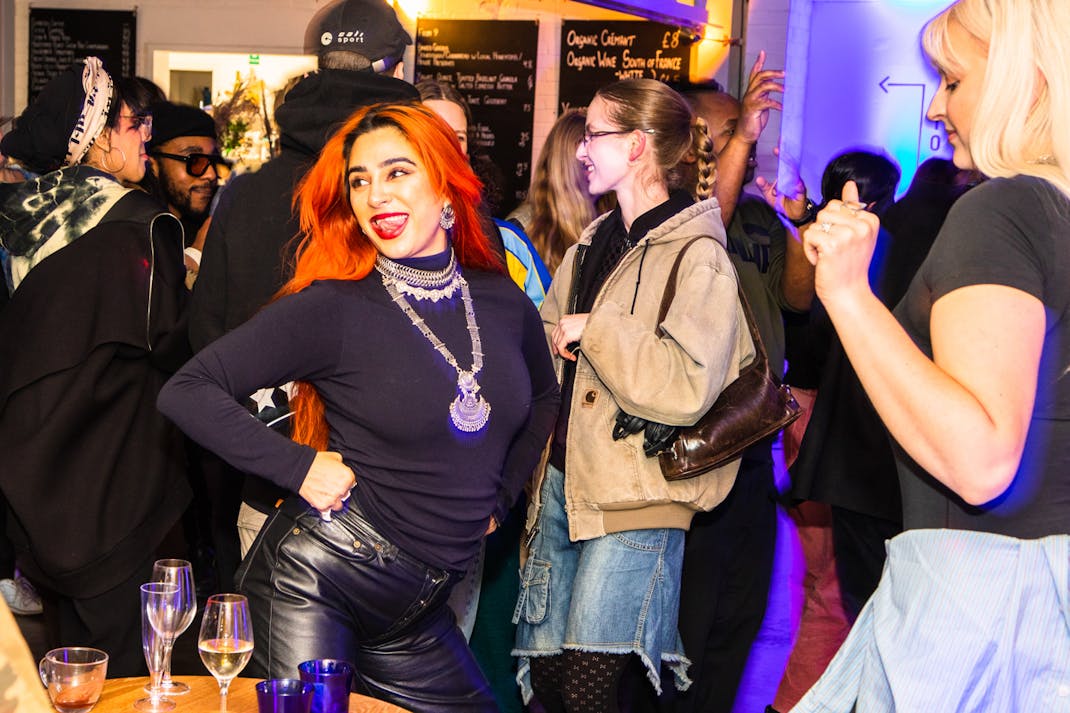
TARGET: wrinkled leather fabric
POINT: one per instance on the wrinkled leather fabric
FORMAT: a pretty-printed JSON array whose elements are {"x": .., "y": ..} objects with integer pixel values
[{"x": 340, "y": 590}]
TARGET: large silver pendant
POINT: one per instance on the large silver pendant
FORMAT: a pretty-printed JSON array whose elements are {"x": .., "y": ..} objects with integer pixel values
[{"x": 469, "y": 411}]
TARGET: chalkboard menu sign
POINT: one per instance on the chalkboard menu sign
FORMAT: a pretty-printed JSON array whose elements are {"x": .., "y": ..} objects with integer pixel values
[
  {"x": 492, "y": 64},
  {"x": 597, "y": 52},
  {"x": 59, "y": 38}
]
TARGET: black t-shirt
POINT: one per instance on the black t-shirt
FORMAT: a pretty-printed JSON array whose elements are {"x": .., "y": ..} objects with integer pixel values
[{"x": 1013, "y": 232}]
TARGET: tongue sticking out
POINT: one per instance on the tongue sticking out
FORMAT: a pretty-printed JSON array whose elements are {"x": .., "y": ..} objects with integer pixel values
[{"x": 389, "y": 227}]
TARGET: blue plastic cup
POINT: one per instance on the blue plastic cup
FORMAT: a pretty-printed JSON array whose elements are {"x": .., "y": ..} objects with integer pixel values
[
  {"x": 332, "y": 680},
  {"x": 284, "y": 695}
]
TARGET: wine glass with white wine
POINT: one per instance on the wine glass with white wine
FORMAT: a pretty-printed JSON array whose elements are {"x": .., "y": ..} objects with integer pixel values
[
  {"x": 179, "y": 573},
  {"x": 226, "y": 639}
]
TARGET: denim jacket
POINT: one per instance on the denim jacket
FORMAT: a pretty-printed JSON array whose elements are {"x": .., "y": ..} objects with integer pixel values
[{"x": 611, "y": 486}]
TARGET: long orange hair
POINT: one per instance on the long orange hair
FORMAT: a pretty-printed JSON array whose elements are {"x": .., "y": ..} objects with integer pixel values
[{"x": 333, "y": 247}]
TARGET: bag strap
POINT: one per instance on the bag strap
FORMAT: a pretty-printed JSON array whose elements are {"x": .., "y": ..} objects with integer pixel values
[{"x": 760, "y": 357}]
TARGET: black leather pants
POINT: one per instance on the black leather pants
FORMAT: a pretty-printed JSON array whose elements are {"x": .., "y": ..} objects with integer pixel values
[{"x": 340, "y": 590}]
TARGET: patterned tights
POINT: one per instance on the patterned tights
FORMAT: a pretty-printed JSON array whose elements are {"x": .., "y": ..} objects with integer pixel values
[{"x": 578, "y": 681}]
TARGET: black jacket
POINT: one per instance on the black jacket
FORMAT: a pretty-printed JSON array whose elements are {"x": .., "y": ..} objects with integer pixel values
[
  {"x": 94, "y": 474},
  {"x": 249, "y": 242}
]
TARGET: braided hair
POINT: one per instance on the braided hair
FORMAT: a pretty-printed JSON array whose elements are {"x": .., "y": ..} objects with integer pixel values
[{"x": 705, "y": 159}]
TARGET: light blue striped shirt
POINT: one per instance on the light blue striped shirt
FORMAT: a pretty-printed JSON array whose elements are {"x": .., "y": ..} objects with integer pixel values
[{"x": 961, "y": 621}]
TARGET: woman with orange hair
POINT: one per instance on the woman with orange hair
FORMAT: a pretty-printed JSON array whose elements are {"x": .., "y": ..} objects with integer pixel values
[{"x": 425, "y": 395}]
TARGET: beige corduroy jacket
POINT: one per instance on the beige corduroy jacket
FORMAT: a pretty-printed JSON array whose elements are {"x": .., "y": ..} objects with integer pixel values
[{"x": 611, "y": 486}]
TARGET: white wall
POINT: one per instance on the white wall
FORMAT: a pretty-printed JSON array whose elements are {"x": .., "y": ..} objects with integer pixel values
[
  {"x": 767, "y": 22},
  {"x": 867, "y": 84},
  {"x": 246, "y": 26}
]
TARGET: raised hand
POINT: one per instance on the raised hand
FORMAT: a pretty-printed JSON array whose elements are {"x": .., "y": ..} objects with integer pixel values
[
  {"x": 757, "y": 101},
  {"x": 788, "y": 200},
  {"x": 840, "y": 245}
]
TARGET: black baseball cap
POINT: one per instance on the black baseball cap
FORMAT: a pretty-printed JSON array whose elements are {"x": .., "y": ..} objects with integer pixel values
[{"x": 368, "y": 27}]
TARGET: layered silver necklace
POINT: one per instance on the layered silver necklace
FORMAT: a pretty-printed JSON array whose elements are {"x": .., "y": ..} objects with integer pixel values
[
  {"x": 469, "y": 411},
  {"x": 431, "y": 285}
]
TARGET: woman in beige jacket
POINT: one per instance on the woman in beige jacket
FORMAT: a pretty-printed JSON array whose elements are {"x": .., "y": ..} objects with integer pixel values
[{"x": 606, "y": 530}]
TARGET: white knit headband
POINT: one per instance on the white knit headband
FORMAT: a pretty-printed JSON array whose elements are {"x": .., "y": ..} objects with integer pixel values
[{"x": 94, "y": 115}]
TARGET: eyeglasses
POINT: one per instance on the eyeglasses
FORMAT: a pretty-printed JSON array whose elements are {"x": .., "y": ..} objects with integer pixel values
[
  {"x": 589, "y": 136},
  {"x": 138, "y": 121},
  {"x": 197, "y": 164}
]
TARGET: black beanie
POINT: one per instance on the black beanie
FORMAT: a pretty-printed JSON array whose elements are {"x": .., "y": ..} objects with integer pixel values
[
  {"x": 171, "y": 120},
  {"x": 40, "y": 138}
]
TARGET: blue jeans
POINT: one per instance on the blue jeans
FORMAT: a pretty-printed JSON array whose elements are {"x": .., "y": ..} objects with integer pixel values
[
  {"x": 616, "y": 594},
  {"x": 340, "y": 590}
]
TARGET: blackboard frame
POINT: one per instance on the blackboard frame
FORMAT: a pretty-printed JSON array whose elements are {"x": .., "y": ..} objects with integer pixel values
[
  {"x": 598, "y": 52},
  {"x": 59, "y": 37},
  {"x": 493, "y": 64}
]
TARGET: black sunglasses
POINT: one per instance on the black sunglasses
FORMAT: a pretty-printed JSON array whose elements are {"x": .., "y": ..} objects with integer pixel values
[{"x": 197, "y": 164}]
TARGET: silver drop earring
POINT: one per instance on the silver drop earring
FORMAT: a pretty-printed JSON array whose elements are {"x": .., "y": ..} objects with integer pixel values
[{"x": 447, "y": 219}]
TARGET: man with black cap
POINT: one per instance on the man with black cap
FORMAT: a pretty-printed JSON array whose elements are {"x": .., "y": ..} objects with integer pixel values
[
  {"x": 185, "y": 162},
  {"x": 358, "y": 36},
  {"x": 360, "y": 44}
]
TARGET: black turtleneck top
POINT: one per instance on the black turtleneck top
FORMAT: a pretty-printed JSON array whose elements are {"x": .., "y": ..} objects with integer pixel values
[{"x": 428, "y": 487}]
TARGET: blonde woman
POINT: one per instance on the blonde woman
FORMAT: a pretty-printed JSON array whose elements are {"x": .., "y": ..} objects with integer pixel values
[
  {"x": 560, "y": 204},
  {"x": 969, "y": 375}
]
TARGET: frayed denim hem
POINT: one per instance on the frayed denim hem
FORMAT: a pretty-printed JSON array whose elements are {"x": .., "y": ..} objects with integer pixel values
[
  {"x": 678, "y": 664},
  {"x": 523, "y": 671}
]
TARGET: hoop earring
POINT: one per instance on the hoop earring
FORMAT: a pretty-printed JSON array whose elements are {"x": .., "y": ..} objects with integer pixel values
[
  {"x": 104, "y": 163},
  {"x": 448, "y": 217}
]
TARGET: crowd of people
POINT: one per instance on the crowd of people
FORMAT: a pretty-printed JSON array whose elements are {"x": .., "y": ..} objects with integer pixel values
[{"x": 421, "y": 436}]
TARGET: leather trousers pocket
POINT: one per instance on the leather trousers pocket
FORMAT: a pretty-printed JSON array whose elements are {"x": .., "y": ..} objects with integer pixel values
[
  {"x": 349, "y": 538},
  {"x": 534, "y": 600},
  {"x": 344, "y": 565}
]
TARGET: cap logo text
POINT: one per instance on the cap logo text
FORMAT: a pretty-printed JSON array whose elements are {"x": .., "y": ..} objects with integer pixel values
[{"x": 352, "y": 37}]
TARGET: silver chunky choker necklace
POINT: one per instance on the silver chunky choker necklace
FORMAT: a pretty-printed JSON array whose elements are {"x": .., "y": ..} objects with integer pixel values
[
  {"x": 431, "y": 285},
  {"x": 469, "y": 411}
]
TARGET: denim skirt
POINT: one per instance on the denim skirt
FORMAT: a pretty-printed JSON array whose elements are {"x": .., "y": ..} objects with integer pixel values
[{"x": 616, "y": 594}]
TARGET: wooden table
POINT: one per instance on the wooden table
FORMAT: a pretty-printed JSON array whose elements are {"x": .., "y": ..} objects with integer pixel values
[{"x": 120, "y": 693}]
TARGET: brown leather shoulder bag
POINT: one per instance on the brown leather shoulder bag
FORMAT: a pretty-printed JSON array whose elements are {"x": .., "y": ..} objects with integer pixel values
[{"x": 754, "y": 406}]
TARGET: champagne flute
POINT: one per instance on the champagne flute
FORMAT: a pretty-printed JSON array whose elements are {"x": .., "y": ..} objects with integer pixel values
[
  {"x": 179, "y": 573},
  {"x": 160, "y": 617},
  {"x": 226, "y": 639}
]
